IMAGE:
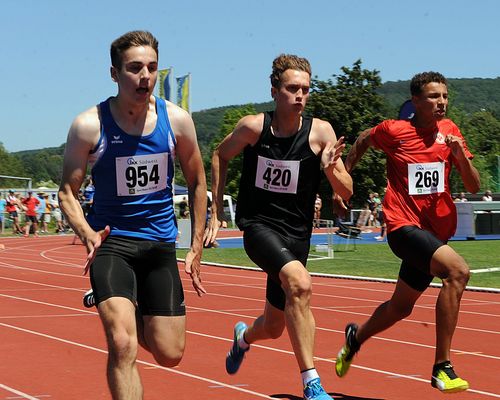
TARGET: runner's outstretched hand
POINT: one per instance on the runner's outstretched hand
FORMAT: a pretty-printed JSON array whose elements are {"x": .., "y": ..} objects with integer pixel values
[
  {"x": 92, "y": 243},
  {"x": 192, "y": 268}
]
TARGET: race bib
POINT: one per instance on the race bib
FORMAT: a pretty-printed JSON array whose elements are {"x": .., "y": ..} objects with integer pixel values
[
  {"x": 279, "y": 176},
  {"x": 137, "y": 175},
  {"x": 426, "y": 178}
]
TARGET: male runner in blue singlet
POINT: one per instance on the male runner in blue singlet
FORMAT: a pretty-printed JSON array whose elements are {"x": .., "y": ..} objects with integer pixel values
[
  {"x": 284, "y": 153},
  {"x": 130, "y": 141}
]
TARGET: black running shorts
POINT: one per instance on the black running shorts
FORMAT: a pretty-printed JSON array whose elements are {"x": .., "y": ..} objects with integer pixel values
[
  {"x": 143, "y": 271},
  {"x": 271, "y": 251},
  {"x": 415, "y": 247}
]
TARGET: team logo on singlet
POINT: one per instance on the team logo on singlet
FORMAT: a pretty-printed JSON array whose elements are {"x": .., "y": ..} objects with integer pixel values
[
  {"x": 116, "y": 140},
  {"x": 440, "y": 138}
]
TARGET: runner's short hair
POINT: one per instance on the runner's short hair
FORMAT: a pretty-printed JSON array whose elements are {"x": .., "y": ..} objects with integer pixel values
[
  {"x": 419, "y": 80},
  {"x": 287, "y": 61},
  {"x": 128, "y": 40}
]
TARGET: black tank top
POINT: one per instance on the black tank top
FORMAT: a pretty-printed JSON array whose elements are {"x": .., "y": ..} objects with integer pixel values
[{"x": 279, "y": 182}]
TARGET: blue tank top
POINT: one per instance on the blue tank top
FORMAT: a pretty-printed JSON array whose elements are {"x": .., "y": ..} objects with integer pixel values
[{"x": 132, "y": 176}]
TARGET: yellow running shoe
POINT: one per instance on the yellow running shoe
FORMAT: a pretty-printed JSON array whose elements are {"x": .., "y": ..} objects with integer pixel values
[
  {"x": 347, "y": 352},
  {"x": 446, "y": 380}
]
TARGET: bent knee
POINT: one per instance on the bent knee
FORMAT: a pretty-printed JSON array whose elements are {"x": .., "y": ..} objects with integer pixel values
[
  {"x": 169, "y": 359},
  {"x": 450, "y": 266},
  {"x": 122, "y": 346},
  {"x": 459, "y": 275},
  {"x": 457, "y": 272},
  {"x": 401, "y": 310},
  {"x": 298, "y": 287}
]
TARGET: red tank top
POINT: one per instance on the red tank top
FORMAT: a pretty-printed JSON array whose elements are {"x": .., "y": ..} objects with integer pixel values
[{"x": 418, "y": 170}]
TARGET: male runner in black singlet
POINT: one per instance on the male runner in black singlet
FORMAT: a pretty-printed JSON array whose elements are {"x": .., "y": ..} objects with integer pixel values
[{"x": 284, "y": 153}]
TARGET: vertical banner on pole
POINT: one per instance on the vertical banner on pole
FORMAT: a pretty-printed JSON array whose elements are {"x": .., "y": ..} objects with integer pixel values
[
  {"x": 165, "y": 89},
  {"x": 183, "y": 92}
]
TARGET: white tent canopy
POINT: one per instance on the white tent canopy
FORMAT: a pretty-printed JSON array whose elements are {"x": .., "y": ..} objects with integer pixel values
[{"x": 228, "y": 203}]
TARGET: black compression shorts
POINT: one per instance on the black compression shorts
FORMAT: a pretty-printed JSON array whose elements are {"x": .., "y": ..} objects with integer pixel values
[
  {"x": 415, "y": 247},
  {"x": 271, "y": 251},
  {"x": 145, "y": 272}
]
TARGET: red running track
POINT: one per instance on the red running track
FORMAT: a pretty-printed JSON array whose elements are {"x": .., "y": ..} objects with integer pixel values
[{"x": 53, "y": 348}]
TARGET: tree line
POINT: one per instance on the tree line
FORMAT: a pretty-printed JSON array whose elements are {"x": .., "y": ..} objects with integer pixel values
[{"x": 353, "y": 100}]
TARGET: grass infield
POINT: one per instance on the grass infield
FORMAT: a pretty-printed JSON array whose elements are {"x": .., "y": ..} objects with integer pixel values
[{"x": 377, "y": 260}]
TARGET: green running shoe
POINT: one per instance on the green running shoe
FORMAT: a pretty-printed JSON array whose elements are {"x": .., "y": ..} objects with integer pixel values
[{"x": 347, "y": 352}]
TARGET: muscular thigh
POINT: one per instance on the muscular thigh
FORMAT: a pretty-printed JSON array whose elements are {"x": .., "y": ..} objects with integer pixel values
[
  {"x": 165, "y": 335},
  {"x": 145, "y": 272},
  {"x": 159, "y": 287},
  {"x": 415, "y": 247},
  {"x": 111, "y": 273},
  {"x": 271, "y": 251}
]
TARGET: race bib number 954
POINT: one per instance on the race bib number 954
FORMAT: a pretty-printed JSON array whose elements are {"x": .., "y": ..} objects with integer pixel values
[
  {"x": 137, "y": 175},
  {"x": 426, "y": 178},
  {"x": 279, "y": 176}
]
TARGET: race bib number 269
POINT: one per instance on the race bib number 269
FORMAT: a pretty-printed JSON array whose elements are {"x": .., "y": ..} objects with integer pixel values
[
  {"x": 137, "y": 175},
  {"x": 426, "y": 178}
]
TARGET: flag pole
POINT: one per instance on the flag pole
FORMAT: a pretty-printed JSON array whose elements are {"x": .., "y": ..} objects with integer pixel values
[{"x": 190, "y": 94}]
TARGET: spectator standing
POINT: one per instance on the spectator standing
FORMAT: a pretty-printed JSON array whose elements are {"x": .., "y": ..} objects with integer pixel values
[
  {"x": 31, "y": 203},
  {"x": 45, "y": 221},
  {"x": 40, "y": 210},
  {"x": 183, "y": 208},
  {"x": 88, "y": 195},
  {"x": 3, "y": 204},
  {"x": 12, "y": 209},
  {"x": 56, "y": 213}
]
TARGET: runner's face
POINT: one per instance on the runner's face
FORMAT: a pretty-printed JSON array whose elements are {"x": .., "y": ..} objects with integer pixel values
[
  {"x": 432, "y": 102},
  {"x": 293, "y": 91},
  {"x": 137, "y": 77}
]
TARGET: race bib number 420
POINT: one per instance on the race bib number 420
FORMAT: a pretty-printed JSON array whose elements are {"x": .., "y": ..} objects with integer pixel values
[
  {"x": 137, "y": 175},
  {"x": 426, "y": 178},
  {"x": 279, "y": 176}
]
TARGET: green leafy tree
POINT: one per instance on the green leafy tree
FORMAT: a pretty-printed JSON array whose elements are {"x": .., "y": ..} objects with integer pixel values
[
  {"x": 482, "y": 132},
  {"x": 10, "y": 166},
  {"x": 351, "y": 103}
]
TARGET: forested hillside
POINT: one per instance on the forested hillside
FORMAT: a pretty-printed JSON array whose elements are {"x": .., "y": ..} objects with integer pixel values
[{"x": 468, "y": 97}]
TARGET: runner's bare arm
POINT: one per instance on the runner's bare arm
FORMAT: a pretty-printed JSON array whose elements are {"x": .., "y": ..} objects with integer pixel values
[
  {"x": 469, "y": 173},
  {"x": 246, "y": 132},
  {"x": 359, "y": 148},
  {"x": 191, "y": 163},
  {"x": 324, "y": 139},
  {"x": 82, "y": 136}
]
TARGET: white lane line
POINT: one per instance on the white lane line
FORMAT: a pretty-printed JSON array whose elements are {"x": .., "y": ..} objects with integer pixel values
[{"x": 172, "y": 370}]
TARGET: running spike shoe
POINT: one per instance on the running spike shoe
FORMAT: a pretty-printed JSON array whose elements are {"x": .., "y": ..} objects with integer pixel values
[
  {"x": 314, "y": 391},
  {"x": 446, "y": 380},
  {"x": 235, "y": 356},
  {"x": 347, "y": 352}
]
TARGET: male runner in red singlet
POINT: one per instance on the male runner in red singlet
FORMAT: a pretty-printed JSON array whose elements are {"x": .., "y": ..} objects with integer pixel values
[
  {"x": 284, "y": 153},
  {"x": 420, "y": 217}
]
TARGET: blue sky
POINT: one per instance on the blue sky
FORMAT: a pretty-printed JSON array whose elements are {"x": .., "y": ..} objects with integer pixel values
[{"x": 55, "y": 54}]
